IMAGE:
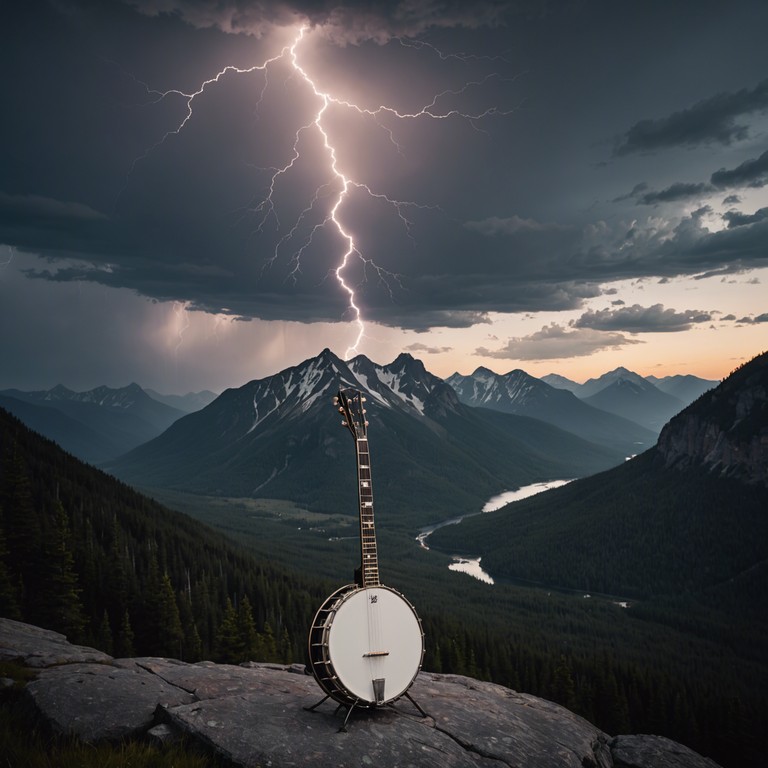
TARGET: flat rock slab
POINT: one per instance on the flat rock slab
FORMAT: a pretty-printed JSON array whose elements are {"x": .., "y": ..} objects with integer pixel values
[
  {"x": 272, "y": 728},
  {"x": 206, "y": 680},
  {"x": 639, "y": 751},
  {"x": 98, "y": 702},
  {"x": 38, "y": 648},
  {"x": 468, "y": 724},
  {"x": 255, "y": 715},
  {"x": 513, "y": 727}
]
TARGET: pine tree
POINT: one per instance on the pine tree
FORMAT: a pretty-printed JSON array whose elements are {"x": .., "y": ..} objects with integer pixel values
[
  {"x": 171, "y": 637},
  {"x": 104, "y": 640},
  {"x": 563, "y": 689},
  {"x": 192, "y": 649},
  {"x": 9, "y": 603},
  {"x": 610, "y": 705},
  {"x": 229, "y": 642},
  {"x": 22, "y": 530},
  {"x": 58, "y": 601},
  {"x": 269, "y": 643},
  {"x": 248, "y": 632},
  {"x": 124, "y": 647}
]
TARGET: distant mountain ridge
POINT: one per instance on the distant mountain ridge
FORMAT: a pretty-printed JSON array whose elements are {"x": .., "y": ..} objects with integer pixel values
[
  {"x": 192, "y": 401},
  {"x": 627, "y": 394},
  {"x": 684, "y": 387},
  {"x": 95, "y": 425},
  {"x": 636, "y": 399},
  {"x": 279, "y": 437},
  {"x": 519, "y": 393}
]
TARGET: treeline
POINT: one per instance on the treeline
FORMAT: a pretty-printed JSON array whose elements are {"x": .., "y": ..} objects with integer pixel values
[{"x": 84, "y": 554}]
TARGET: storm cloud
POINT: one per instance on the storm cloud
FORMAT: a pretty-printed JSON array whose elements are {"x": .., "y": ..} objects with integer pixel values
[
  {"x": 710, "y": 121},
  {"x": 751, "y": 173},
  {"x": 554, "y": 341},
  {"x": 185, "y": 163},
  {"x": 343, "y": 22},
  {"x": 638, "y": 319}
]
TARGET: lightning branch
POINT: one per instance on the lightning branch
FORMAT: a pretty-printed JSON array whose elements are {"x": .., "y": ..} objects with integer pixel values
[{"x": 340, "y": 183}]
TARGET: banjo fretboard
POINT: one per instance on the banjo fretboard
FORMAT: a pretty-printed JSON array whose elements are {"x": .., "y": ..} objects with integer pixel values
[{"x": 370, "y": 559}]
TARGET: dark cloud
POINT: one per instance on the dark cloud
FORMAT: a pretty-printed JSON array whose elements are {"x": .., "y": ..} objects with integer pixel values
[
  {"x": 425, "y": 348},
  {"x": 510, "y": 226},
  {"x": 554, "y": 342},
  {"x": 737, "y": 219},
  {"x": 749, "y": 320},
  {"x": 751, "y": 173},
  {"x": 635, "y": 192},
  {"x": 710, "y": 121},
  {"x": 343, "y": 22},
  {"x": 638, "y": 319},
  {"x": 677, "y": 191}
]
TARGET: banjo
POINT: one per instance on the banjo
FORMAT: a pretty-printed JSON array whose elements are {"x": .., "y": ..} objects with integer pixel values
[{"x": 366, "y": 642}]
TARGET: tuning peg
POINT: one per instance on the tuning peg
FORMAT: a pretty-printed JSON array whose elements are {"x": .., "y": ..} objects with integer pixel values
[
  {"x": 363, "y": 399},
  {"x": 335, "y": 399},
  {"x": 344, "y": 423}
]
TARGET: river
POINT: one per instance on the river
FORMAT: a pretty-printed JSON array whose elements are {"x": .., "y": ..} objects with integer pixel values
[{"x": 471, "y": 565}]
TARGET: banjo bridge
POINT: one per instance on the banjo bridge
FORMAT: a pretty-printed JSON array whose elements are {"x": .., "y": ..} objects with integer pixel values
[{"x": 375, "y": 653}]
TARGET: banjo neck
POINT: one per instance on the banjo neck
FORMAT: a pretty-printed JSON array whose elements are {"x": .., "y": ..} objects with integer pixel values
[
  {"x": 368, "y": 552},
  {"x": 350, "y": 405}
]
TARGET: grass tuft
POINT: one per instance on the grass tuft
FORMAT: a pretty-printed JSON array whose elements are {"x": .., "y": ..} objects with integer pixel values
[{"x": 23, "y": 745}]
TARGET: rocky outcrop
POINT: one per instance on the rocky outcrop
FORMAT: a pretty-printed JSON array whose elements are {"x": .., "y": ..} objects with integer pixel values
[
  {"x": 726, "y": 430},
  {"x": 256, "y": 715}
]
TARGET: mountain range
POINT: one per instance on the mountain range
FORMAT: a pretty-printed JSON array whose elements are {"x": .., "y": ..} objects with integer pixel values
[
  {"x": 649, "y": 401},
  {"x": 96, "y": 425},
  {"x": 278, "y": 437},
  {"x": 518, "y": 392},
  {"x": 192, "y": 401},
  {"x": 620, "y": 411}
]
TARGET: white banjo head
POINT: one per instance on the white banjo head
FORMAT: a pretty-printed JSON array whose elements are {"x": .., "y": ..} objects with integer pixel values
[{"x": 375, "y": 645}]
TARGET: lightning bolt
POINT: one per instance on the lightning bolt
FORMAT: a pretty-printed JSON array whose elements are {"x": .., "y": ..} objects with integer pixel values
[
  {"x": 340, "y": 183},
  {"x": 180, "y": 309},
  {"x": 11, "y": 254}
]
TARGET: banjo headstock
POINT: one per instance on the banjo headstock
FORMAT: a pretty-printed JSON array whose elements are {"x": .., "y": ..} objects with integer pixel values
[{"x": 350, "y": 405}]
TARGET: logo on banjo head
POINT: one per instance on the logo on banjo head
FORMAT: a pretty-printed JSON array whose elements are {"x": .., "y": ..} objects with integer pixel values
[{"x": 366, "y": 643}]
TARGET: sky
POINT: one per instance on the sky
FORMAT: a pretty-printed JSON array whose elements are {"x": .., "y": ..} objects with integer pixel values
[{"x": 197, "y": 193}]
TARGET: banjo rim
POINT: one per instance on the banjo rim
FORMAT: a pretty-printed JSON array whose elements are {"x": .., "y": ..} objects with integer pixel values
[{"x": 320, "y": 662}]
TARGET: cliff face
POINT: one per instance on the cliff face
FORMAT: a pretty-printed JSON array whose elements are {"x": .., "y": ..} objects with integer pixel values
[
  {"x": 255, "y": 715},
  {"x": 725, "y": 431}
]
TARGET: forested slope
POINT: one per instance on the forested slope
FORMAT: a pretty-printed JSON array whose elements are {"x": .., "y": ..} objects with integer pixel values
[
  {"x": 636, "y": 531},
  {"x": 84, "y": 554}
]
